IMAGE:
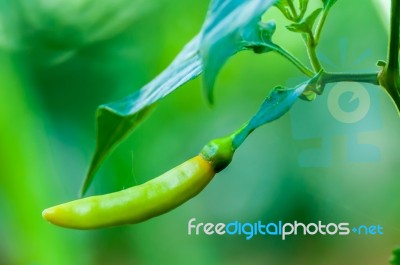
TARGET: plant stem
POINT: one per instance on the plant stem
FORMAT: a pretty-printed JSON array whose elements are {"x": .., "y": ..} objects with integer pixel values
[
  {"x": 371, "y": 78},
  {"x": 323, "y": 78},
  {"x": 304, "y": 69},
  {"x": 240, "y": 135},
  {"x": 312, "y": 52},
  {"x": 320, "y": 25},
  {"x": 293, "y": 10},
  {"x": 393, "y": 54},
  {"x": 389, "y": 76}
]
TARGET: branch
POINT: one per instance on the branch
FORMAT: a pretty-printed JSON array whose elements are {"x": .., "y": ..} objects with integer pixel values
[
  {"x": 389, "y": 76},
  {"x": 320, "y": 25},
  {"x": 304, "y": 69},
  {"x": 312, "y": 52},
  {"x": 393, "y": 53},
  {"x": 371, "y": 78}
]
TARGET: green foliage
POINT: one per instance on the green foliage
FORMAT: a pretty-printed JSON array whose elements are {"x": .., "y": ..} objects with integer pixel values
[
  {"x": 117, "y": 119},
  {"x": 289, "y": 10},
  {"x": 305, "y": 25},
  {"x": 230, "y": 26},
  {"x": 277, "y": 103},
  {"x": 303, "y": 4},
  {"x": 283, "y": 6},
  {"x": 101, "y": 46}
]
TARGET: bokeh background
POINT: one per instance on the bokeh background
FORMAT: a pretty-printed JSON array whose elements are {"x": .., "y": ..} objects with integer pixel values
[{"x": 60, "y": 59}]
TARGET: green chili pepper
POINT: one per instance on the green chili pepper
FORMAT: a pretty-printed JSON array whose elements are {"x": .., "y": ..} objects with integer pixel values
[
  {"x": 174, "y": 187},
  {"x": 153, "y": 198}
]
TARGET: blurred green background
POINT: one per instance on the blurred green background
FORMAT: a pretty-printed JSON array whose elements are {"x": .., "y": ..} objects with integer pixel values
[{"x": 61, "y": 59}]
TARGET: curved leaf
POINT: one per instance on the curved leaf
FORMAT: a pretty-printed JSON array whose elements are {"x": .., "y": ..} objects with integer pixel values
[
  {"x": 278, "y": 102},
  {"x": 231, "y": 26},
  {"x": 117, "y": 119}
]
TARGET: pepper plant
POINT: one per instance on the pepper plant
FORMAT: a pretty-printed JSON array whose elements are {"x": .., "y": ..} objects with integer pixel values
[{"x": 230, "y": 26}]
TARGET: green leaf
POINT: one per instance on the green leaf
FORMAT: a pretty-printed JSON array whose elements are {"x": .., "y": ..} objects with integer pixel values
[
  {"x": 278, "y": 102},
  {"x": 307, "y": 24},
  {"x": 283, "y": 6},
  {"x": 286, "y": 7},
  {"x": 230, "y": 26},
  {"x": 303, "y": 5},
  {"x": 298, "y": 27},
  {"x": 117, "y": 119},
  {"x": 395, "y": 259},
  {"x": 328, "y": 3}
]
